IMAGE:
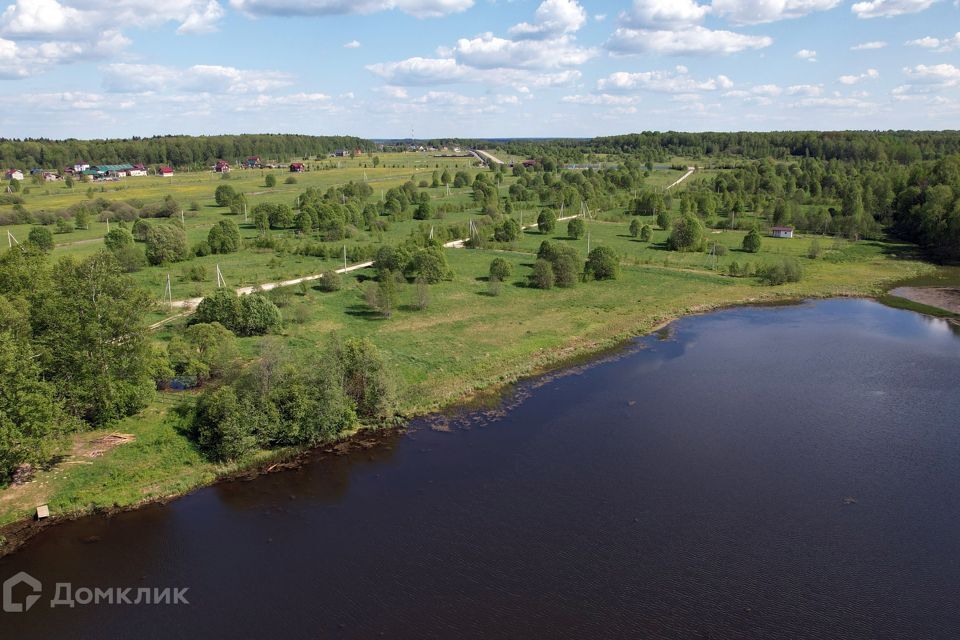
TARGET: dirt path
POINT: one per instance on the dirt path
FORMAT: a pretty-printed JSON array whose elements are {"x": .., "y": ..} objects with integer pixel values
[{"x": 689, "y": 173}]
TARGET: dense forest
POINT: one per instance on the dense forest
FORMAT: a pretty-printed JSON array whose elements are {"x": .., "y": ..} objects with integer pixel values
[{"x": 178, "y": 151}]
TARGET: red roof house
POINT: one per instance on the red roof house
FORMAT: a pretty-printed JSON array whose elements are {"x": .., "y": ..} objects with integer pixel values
[
  {"x": 297, "y": 167},
  {"x": 166, "y": 172}
]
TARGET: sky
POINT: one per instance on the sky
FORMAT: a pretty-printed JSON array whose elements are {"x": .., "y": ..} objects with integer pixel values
[{"x": 475, "y": 68}]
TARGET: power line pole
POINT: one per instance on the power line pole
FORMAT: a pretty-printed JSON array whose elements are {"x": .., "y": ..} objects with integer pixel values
[
  {"x": 11, "y": 240},
  {"x": 168, "y": 293},
  {"x": 220, "y": 280},
  {"x": 344, "y": 257}
]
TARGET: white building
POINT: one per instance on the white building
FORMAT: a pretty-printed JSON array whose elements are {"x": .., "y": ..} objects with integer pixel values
[{"x": 782, "y": 232}]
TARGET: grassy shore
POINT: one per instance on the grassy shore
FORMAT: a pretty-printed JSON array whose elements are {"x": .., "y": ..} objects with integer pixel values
[{"x": 467, "y": 340}]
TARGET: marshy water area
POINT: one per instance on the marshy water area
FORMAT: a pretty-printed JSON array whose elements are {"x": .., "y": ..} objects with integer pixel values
[{"x": 770, "y": 472}]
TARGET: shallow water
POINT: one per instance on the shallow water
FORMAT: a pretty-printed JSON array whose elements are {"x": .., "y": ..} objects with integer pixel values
[{"x": 783, "y": 472}]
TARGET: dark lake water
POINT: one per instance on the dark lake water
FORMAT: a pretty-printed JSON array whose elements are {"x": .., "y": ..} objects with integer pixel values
[{"x": 784, "y": 472}]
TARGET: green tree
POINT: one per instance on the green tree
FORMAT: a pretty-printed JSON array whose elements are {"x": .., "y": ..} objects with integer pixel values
[
  {"x": 118, "y": 238},
  {"x": 224, "y": 195},
  {"x": 31, "y": 420},
  {"x": 507, "y": 231},
  {"x": 221, "y": 426},
  {"x": 204, "y": 351},
  {"x": 423, "y": 211},
  {"x": 602, "y": 264},
  {"x": 635, "y": 227},
  {"x": 546, "y": 221},
  {"x": 429, "y": 263},
  {"x": 687, "y": 234},
  {"x": 576, "y": 228},
  {"x": 42, "y": 238},
  {"x": 500, "y": 269},
  {"x": 752, "y": 241},
  {"x": 542, "y": 276},
  {"x": 329, "y": 280},
  {"x": 363, "y": 376},
  {"x": 664, "y": 219},
  {"x": 224, "y": 237},
  {"x": 166, "y": 243},
  {"x": 646, "y": 233},
  {"x": 270, "y": 181}
]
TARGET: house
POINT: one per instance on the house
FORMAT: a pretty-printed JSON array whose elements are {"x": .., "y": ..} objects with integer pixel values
[
  {"x": 13, "y": 174},
  {"x": 80, "y": 167},
  {"x": 339, "y": 153},
  {"x": 297, "y": 167},
  {"x": 113, "y": 170},
  {"x": 782, "y": 232},
  {"x": 165, "y": 172},
  {"x": 252, "y": 162},
  {"x": 137, "y": 171},
  {"x": 358, "y": 152},
  {"x": 50, "y": 176},
  {"x": 529, "y": 163},
  {"x": 222, "y": 166}
]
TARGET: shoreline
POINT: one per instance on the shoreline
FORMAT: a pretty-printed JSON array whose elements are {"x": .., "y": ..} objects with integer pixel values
[{"x": 550, "y": 364}]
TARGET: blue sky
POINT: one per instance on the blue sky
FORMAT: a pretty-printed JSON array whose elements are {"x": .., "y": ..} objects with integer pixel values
[{"x": 430, "y": 68}]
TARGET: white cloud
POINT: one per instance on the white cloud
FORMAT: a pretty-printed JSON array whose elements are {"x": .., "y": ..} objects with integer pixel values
[
  {"x": 601, "y": 99},
  {"x": 416, "y": 8},
  {"x": 419, "y": 71},
  {"x": 695, "y": 40},
  {"x": 889, "y": 8},
  {"x": 553, "y": 18},
  {"x": 945, "y": 75},
  {"x": 600, "y": 17},
  {"x": 868, "y": 46},
  {"x": 202, "y": 21},
  {"x": 678, "y": 81},
  {"x": 869, "y": 74},
  {"x": 664, "y": 14},
  {"x": 760, "y": 11},
  {"x": 808, "y": 90},
  {"x": 353, "y": 44},
  {"x": 806, "y": 54},
  {"x": 941, "y": 45},
  {"x": 84, "y": 20},
  {"x": 140, "y": 78},
  {"x": 488, "y": 51},
  {"x": 769, "y": 90}
]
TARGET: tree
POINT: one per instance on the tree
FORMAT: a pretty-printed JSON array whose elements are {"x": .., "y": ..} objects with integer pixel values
[
  {"x": 461, "y": 179},
  {"x": 249, "y": 315},
  {"x": 381, "y": 296},
  {"x": 602, "y": 264},
  {"x": 224, "y": 237},
  {"x": 118, "y": 238},
  {"x": 224, "y": 195},
  {"x": 507, "y": 231},
  {"x": 646, "y": 232},
  {"x": 565, "y": 261},
  {"x": 270, "y": 181},
  {"x": 576, "y": 228},
  {"x": 90, "y": 339},
  {"x": 221, "y": 427},
  {"x": 281, "y": 216},
  {"x": 546, "y": 221},
  {"x": 649, "y": 203},
  {"x": 500, "y": 269},
  {"x": 423, "y": 211},
  {"x": 445, "y": 177},
  {"x": 81, "y": 219},
  {"x": 687, "y": 234},
  {"x": 364, "y": 376},
  {"x": 30, "y": 418},
  {"x": 204, "y": 351},
  {"x": 429, "y": 263},
  {"x": 42, "y": 238},
  {"x": 752, "y": 241},
  {"x": 329, "y": 281},
  {"x": 542, "y": 276},
  {"x": 635, "y": 227},
  {"x": 664, "y": 219},
  {"x": 166, "y": 243}
]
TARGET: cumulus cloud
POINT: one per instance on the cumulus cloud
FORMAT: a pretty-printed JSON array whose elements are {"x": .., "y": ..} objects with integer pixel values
[
  {"x": 889, "y": 8},
  {"x": 419, "y": 71},
  {"x": 806, "y": 54},
  {"x": 676, "y": 81},
  {"x": 353, "y": 44},
  {"x": 695, "y": 40},
  {"x": 81, "y": 20},
  {"x": 488, "y": 51},
  {"x": 601, "y": 99},
  {"x": 937, "y": 74},
  {"x": 664, "y": 14},
  {"x": 416, "y": 8},
  {"x": 140, "y": 78},
  {"x": 552, "y": 19},
  {"x": 869, "y": 46},
  {"x": 761, "y": 11},
  {"x": 941, "y": 45},
  {"x": 869, "y": 74},
  {"x": 808, "y": 90}
]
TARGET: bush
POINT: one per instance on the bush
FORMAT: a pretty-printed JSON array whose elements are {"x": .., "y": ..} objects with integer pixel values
[
  {"x": 687, "y": 234},
  {"x": 635, "y": 228},
  {"x": 646, "y": 232},
  {"x": 224, "y": 195},
  {"x": 270, "y": 181},
  {"x": 329, "y": 281},
  {"x": 542, "y": 276},
  {"x": 789, "y": 270},
  {"x": 752, "y": 241},
  {"x": 221, "y": 426},
  {"x": 566, "y": 265},
  {"x": 140, "y": 229},
  {"x": 290, "y": 180},
  {"x": 118, "y": 238},
  {"x": 64, "y": 225},
  {"x": 602, "y": 264},
  {"x": 814, "y": 250},
  {"x": 166, "y": 243},
  {"x": 42, "y": 238},
  {"x": 507, "y": 231},
  {"x": 364, "y": 375},
  {"x": 429, "y": 263},
  {"x": 131, "y": 258},
  {"x": 576, "y": 228},
  {"x": 546, "y": 221},
  {"x": 249, "y": 315},
  {"x": 224, "y": 237},
  {"x": 500, "y": 269}
]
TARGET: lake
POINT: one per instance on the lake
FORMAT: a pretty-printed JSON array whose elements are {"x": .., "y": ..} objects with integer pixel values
[{"x": 773, "y": 472}]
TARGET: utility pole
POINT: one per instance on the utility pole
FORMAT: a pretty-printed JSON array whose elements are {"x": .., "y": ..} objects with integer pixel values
[
  {"x": 168, "y": 293},
  {"x": 344, "y": 257},
  {"x": 182, "y": 221},
  {"x": 588, "y": 243},
  {"x": 11, "y": 240},
  {"x": 220, "y": 280}
]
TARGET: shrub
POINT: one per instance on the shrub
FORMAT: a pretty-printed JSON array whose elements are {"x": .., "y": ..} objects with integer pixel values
[
  {"x": 507, "y": 231},
  {"x": 546, "y": 221},
  {"x": 635, "y": 228},
  {"x": 224, "y": 237},
  {"x": 64, "y": 225},
  {"x": 221, "y": 427},
  {"x": 566, "y": 265},
  {"x": 602, "y": 264},
  {"x": 290, "y": 180},
  {"x": 118, "y": 238},
  {"x": 224, "y": 195},
  {"x": 249, "y": 315},
  {"x": 429, "y": 263},
  {"x": 788, "y": 270},
  {"x": 166, "y": 243},
  {"x": 500, "y": 269},
  {"x": 270, "y": 181},
  {"x": 329, "y": 280},
  {"x": 42, "y": 238},
  {"x": 576, "y": 228},
  {"x": 814, "y": 250},
  {"x": 646, "y": 232},
  {"x": 752, "y": 241},
  {"x": 687, "y": 234},
  {"x": 140, "y": 229},
  {"x": 542, "y": 276},
  {"x": 131, "y": 258},
  {"x": 364, "y": 375}
]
